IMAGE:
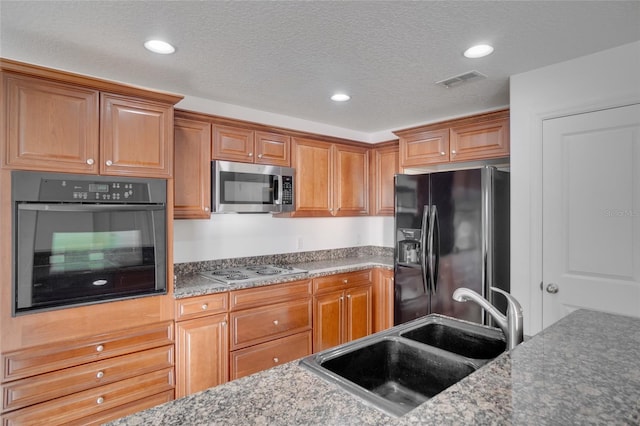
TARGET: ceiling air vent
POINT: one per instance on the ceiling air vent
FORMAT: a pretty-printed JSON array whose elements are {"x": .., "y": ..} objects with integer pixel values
[{"x": 461, "y": 78}]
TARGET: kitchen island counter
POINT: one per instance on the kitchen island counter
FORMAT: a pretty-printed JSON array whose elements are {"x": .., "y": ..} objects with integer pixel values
[{"x": 581, "y": 370}]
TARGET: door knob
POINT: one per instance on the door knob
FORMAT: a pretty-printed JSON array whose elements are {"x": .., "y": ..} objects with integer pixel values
[{"x": 552, "y": 288}]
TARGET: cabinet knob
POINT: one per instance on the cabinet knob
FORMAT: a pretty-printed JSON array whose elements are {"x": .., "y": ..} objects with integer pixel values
[
  {"x": 275, "y": 322},
  {"x": 250, "y": 154},
  {"x": 223, "y": 323},
  {"x": 205, "y": 306},
  {"x": 90, "y": 161},
  {"x": 453, "y": 152},
  {"x": 99, "y": 374},
  {"x": 443, "y": 153},
  {"x": 348, "y": 296},
  {"x": 345, "y": 281},
  {"x": 100, "y": 400},
  {"x": 99, "y": 348},
  {"x": 109, "y": 163},
  {"x": 341, "y": 297},
  {"x": 206, "y": 209},
  {"x": 276, "y": 360},
  {"x": 259, "y": 155}
]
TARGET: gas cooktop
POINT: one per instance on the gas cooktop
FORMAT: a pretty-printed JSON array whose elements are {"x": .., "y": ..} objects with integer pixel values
[{"x": 250, "y": 273}]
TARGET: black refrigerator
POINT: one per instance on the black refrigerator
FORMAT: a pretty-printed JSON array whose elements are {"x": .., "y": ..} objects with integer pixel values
[{"x": 451, "y": 231}]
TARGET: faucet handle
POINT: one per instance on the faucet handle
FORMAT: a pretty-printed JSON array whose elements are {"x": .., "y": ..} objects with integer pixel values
[{"x": 514, "y": 318}]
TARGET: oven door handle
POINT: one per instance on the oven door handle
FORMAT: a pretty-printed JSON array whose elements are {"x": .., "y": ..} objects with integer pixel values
[{"x": 89, "y": 207}]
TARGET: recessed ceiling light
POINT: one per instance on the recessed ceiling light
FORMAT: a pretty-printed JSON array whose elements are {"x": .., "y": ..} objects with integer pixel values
[
  {"x": 159, "y": 46},
  {"x": 340, "y": 97},
  {"x": 478, "y": 51}
]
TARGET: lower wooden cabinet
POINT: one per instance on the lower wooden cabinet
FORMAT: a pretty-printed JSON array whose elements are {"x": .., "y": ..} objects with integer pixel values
[
  {"x": 89, "y": 380},
  {"x": 342, "y": 308},
  {"x": 383, "y": 299},
  {"x": 202, "y": 338}
]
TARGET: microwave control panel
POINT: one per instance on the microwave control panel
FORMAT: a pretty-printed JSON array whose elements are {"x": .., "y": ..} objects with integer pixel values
[
  {"x": 97, "y": 192},
  {"x": 287, "y": 190}
]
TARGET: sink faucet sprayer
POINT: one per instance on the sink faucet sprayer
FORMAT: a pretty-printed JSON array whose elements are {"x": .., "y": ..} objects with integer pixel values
[{"x": 511, "y": 324}]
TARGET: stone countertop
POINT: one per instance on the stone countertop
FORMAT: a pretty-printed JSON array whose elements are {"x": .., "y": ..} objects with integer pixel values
[
  {"x": 198, "y": 285},
  {"x": 581, "y": 370}
]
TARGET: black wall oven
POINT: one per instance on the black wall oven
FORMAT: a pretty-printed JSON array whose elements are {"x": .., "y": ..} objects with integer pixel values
[{"x": 81, "y": 239}]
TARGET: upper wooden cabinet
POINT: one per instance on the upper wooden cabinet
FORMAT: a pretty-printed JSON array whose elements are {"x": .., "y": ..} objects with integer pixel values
[
  {"x": 480, "y": 137},
  {"x": 57, "y": 121},
  {"x": 192, "y": 170},
  {"x": 249, "y": 146},
  {"x": 331, "y": 179},
  {"x": 384, "y": 166}
]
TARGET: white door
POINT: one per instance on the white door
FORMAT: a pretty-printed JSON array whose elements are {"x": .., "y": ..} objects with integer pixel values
[{"x": 591, "y": 213}]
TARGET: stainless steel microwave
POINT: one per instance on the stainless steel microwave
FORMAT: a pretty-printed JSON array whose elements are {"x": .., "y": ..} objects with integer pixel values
[{"x": 251, "y": 188}]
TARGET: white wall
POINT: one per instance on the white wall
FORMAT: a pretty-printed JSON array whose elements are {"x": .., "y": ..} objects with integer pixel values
[
  {"x": 605, "y": 79},
  {"x": 241, "y": 235}
]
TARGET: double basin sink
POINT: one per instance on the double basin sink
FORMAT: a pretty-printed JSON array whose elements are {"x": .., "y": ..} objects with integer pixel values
[{"x": 398, "y": 369}]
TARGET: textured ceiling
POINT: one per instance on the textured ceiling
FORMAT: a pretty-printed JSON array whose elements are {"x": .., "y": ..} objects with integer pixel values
[{"x": 288, "y": 57}]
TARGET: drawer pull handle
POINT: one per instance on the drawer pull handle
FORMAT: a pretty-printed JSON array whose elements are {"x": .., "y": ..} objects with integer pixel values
[
  {"x": 100, "y": 374},
  {"x": 100, "y": 400},
  {"x": 276, "y": 360},
  {"x": 99, "y": 348},
  {"x": 275, "y": 322},
  {"x": 205, "y": 306}
]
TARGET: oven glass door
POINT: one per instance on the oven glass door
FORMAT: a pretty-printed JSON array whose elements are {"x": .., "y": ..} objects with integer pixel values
[{"x": 69, "y": 254}]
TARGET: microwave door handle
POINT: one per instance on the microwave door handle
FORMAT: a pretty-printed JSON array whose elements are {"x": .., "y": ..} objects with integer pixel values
[
  {"x": 277, "y": 190},
  {"x": 90, "y": 207}
]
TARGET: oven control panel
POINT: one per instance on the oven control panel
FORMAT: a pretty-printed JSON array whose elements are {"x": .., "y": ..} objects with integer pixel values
[{"x": 91, "y": 191}]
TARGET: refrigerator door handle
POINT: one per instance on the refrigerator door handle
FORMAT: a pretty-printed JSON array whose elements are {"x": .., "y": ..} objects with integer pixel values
[
  {"x": 434, "y": 247},
  {"x": 424, "y": 254}
]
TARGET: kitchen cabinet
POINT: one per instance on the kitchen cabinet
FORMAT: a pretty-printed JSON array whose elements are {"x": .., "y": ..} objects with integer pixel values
[
  {"x": 192, "y": 170},
  {"x": 270, "y": 325},
  {"x": 56, "y": 121},
  {"x": 331, "y": 179},
  {"x": 342, "y": 308},
  {"x": 249, "y": 146},
  {"x": 83, "y": 380},
  {"x": 383, "y": 299},
  {"x": 384, "y": 166},
  {"x": 202, "y": 339},
  {"x": 479, "y": 137}
]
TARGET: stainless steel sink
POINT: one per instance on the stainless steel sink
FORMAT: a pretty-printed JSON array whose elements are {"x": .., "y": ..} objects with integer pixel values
[{"x": 398, "y": 369}]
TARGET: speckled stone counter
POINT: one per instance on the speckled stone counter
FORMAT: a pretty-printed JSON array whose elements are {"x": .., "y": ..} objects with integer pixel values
[
  {"x": 582, "y": 370},
  {"x": 194, "y": 284}
]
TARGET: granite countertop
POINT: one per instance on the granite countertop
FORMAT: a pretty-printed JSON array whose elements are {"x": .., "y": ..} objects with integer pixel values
[
  {"x": 581, "y": 370},
  {"x": 198, "y": 285}
]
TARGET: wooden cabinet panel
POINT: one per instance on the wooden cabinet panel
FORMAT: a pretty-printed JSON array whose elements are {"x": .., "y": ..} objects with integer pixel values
[
  {"x": 270, "y": 354},
  {"x": 200, "y": 306},
  {"x": 351, "y": 190},
  {"x": 384, "y": 166},
  {"x": 202, "y": 354},
  {"x": 313, "y": 161},
  {"x": 358, "y": 313},
  {"x": 42, "y": 359},
  {"x": 328, "y": 320},
  {"x": 86, "y": 403},
  {"x": 192, "y": 169},
  {"x": 136, "y": 137},
  {"x": 272, "y": 148},
  {"x": 258, "y": 325},
  {"x": 232, "y": 144},
  {"x": 44, "y": 387},
  {"x": 260, "y": 296},
  {"x": 431, "y": 147},
  {"x": 481, "y": 140},
  {"x": 50, "y": 126},
  {"x": 383, "y": 299}
]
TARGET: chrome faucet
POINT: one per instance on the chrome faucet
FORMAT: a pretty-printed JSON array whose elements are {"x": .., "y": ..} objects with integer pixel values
[{"x": 511, "y": 324}]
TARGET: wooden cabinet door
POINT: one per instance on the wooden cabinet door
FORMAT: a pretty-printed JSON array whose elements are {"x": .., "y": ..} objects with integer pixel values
[
  {"x": 272, "y": 148},
  {"x": 50, "y": 126},
  {"x": 192, "y": 169},
  {"x": 351, "y": 181},
  {"x": 136, "y": 137},
  {"x": 384, "y": 166},
  {"x": 202, "y": 355},
  {"x": 383, "y": 300},
  {"x": 358, "y": 313},
  {"x": 232, "y": 144},
  {"x": 479, "y": 141},
  {"x": 314, "y": 177},
  {"x": 328, "y": 320},
  {"x": 423, "y": 148}
]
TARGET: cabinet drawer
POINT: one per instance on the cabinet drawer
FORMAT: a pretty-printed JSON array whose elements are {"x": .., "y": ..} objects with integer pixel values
[
  {"x": 47, "y": 358},
  {"x": 59, "y": 383},
  {"x": 260, "y": 296},
  {"x": 341, "y": 281},
  {"x": 266, "y": 355},
  {"x": 71, "y": 408},
  {"x": 261, "y": 324},
  {"x": 200, "y": 306}
]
